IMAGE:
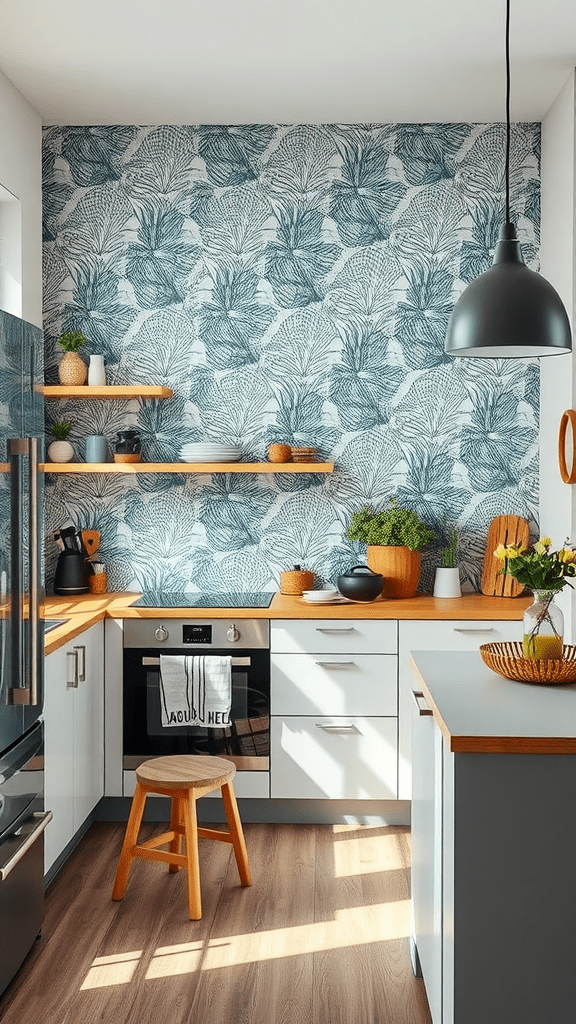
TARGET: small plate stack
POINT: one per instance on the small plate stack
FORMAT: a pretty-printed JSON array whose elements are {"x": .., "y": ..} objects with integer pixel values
[
  {"x": 303, "y": 454},
  {"x": 328, "y": 596},
  {"x": 207, "y": 451}
]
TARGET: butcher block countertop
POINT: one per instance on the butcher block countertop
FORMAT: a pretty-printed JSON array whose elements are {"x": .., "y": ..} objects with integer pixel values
[
  {"x": 82, "y": 612},
  {"x": 480, "y": 712}
]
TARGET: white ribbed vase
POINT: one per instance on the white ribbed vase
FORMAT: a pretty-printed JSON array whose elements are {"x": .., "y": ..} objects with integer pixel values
[{"x": 96, "y": 371}]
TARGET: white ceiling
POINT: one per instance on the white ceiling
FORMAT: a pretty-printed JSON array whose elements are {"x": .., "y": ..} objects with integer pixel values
[{"x": 284, "y": 61}]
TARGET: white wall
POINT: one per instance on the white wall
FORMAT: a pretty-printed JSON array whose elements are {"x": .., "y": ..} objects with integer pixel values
[
  {"x": 558, "y": 265},
  {"x": 21, "y": 175}
]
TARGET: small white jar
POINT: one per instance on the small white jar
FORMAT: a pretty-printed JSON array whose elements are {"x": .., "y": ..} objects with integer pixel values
[{"x": 96, "y": 371}]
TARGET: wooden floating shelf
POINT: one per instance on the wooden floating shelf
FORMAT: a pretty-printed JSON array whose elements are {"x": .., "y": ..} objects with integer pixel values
[
  {"x": 105, "y": 391},
  {"x": 187, "y": 467}
]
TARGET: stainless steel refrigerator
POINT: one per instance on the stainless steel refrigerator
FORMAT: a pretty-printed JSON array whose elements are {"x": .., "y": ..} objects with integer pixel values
[{"x": 23, "y": 817}]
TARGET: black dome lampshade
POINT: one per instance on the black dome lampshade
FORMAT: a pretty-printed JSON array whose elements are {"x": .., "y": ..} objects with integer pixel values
[{"x": 509, "y": 311}]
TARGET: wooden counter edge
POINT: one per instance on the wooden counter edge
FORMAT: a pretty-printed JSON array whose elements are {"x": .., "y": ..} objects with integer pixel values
[{"x": 493, "y": 744}]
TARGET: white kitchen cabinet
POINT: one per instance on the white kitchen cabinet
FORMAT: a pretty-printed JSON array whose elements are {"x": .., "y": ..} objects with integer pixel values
[
  {"x": 346, "y": 684},
  {"x": 436, "y": 635},
  {"x": 74, "y": 736},
  {"x": 333, "y": 758},
  {"x": 426, "y": 866},
  {"x": 333, "y": 708},
  {"x": 334, "y": 636}
]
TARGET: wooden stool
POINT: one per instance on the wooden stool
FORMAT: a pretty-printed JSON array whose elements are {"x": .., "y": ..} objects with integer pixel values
[{"x": 184, "y": 778}]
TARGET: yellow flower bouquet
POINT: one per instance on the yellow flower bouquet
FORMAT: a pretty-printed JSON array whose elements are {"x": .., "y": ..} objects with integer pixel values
[{"x": 545, "y": 573}]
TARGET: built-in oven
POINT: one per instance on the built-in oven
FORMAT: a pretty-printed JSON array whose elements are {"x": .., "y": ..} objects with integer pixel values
[{"x": 246, "y": 642}]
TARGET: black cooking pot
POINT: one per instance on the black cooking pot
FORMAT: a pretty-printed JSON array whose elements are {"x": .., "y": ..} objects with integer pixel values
[{"x": 365, "y": 585}]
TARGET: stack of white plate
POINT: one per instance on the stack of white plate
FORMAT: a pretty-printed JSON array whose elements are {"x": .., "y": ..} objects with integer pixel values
[
  {"x": 208, "y": 451},
  {"x": 328, "y": 596}
]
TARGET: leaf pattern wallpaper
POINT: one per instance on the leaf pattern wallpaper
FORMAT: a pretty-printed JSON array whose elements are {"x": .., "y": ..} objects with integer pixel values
[{"x": 290, "y": 283}]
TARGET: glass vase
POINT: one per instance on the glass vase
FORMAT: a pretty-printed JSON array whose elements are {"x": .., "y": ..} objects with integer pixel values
[{"x": 543, "y": 627}]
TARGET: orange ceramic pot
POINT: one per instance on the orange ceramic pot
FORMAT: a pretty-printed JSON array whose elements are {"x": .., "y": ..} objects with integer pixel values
[{"x": 400, "y": 567}]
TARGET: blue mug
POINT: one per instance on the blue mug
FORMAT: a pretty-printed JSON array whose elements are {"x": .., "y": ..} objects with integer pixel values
[{"x": 96, "y": 449}]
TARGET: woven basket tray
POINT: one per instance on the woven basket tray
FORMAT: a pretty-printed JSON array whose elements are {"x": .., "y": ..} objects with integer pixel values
[{"x": 507, "y": 659}]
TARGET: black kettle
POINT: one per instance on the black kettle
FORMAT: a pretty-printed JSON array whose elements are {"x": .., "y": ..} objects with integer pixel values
[
  {"x": 361, "y": 586},
  {"x": 72, "y": 569}
]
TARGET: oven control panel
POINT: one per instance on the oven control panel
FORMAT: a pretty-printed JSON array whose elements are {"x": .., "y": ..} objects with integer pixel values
[{"x": 196, "y": 634}]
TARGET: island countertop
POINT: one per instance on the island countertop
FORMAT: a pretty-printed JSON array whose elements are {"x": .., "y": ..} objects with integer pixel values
[{"x": 480, "y": 712}]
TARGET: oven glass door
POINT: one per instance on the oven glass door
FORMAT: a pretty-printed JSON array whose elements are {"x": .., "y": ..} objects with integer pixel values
[{"x": 246, "y": 740}]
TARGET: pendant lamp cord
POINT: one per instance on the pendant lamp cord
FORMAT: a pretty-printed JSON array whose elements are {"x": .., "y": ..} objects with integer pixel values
[{"x": 507, "y": 165}]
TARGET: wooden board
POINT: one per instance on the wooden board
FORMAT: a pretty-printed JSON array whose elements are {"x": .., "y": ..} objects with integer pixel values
[
  {"x": 503, "y": 530},
  {"x": 91, "y": 540}
]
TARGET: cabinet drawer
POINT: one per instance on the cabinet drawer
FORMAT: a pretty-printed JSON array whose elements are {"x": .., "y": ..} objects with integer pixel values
[
  {"x": 333, "y": 684},
  {"x": 333, "y": 636},
  {"x": 333, "y": 758},
  {"x": 456, "y": 635}
]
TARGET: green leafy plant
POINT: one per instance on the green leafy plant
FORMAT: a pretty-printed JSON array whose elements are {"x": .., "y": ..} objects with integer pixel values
[
  {"x": 72, "y": 341},
  {"x": 449, "y": 554},
  {"x": 61, "y": 429},
  {"x": 396, "y": 527}
]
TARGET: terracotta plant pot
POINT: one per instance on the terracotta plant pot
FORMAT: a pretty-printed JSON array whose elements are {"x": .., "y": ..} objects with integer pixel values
[
  {"x": 72, "y": 370},
  {"x": 400, "y": 568}
]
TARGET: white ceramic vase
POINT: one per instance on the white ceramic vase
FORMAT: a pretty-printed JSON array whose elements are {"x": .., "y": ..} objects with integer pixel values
[
  {"x": 96, "y": 371},
  {"x": 447, "y": 582},
  {"x": 60, "y": 451}
]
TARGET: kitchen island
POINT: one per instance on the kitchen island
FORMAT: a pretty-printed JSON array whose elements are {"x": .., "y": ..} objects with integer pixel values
[{"x": 493, "y": 843}]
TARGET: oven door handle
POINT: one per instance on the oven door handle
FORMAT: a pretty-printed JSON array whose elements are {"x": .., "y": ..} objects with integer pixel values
[
  {"x": 236, "y": 662},
  {"x": 42, "y": 819}
]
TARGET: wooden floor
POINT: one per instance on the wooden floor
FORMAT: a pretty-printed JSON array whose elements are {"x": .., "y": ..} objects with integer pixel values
[{"x": 320, "y": 938}]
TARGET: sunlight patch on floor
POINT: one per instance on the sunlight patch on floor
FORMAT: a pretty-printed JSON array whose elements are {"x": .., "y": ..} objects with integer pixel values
[
  {"x": 350, "y": 927},
  {"x": 117, "y": 969},
  {"x": 388, "y": 857}
]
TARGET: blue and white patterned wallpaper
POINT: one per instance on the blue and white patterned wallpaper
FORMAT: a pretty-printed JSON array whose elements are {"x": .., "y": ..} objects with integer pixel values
[{"x": 290, "y": 283}]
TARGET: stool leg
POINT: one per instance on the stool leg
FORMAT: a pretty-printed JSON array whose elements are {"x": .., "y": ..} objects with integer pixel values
[
  {"x": 236, "y": 832},
  {"x": 193, "y": 863},
  {"x": 175, "y": 820},
  {"x": 130, "y": 840}
]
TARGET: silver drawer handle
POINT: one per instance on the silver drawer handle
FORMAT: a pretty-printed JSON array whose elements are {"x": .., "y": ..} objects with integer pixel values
[
  {"x": 29, "y": 839},
  {"x": 72, "y": 668},
  {"x": 420, "y": 702},
  {"x": 489, "y": 630},
  {"x": 324, "y": 629},
  {"x": 337, "y": 728},
  {"x": 335, "y": 664},
  {"x": 235, "y": 661},
  {"x": 81, "y": 663}
]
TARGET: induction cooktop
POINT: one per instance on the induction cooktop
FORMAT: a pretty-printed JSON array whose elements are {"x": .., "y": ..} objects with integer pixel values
[{"x": 246, "y": 599}]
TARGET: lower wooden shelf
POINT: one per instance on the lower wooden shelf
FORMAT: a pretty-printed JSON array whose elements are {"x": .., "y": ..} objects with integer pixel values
[{"x": 186, "y": 467}]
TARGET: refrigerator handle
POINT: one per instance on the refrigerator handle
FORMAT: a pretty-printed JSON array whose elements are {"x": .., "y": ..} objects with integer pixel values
[
  {"x": 20, "y": 692},
  {"x": 33, "y": 570}
]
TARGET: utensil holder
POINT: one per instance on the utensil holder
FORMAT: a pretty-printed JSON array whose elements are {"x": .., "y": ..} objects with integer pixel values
[{"x": 98, "y": 583}]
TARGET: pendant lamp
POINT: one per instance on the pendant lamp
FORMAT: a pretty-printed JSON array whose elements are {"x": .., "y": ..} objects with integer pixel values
[{"x": 508, "y": 312}]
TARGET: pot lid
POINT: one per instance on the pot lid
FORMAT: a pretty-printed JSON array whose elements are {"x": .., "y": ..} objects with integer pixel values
[{"x": 365, "y": 571}]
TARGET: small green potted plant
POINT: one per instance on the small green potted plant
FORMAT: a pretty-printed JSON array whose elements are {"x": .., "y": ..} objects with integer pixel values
[
  {"x": 447, "y": 576},
  {"x": 60, "y": 450},
  {"x": 72, "y": 369},
  {"x": 394, "y": 538}
]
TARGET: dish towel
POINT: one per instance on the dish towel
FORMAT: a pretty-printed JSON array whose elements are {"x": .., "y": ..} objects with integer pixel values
[{"x": 195, "y": 690}]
